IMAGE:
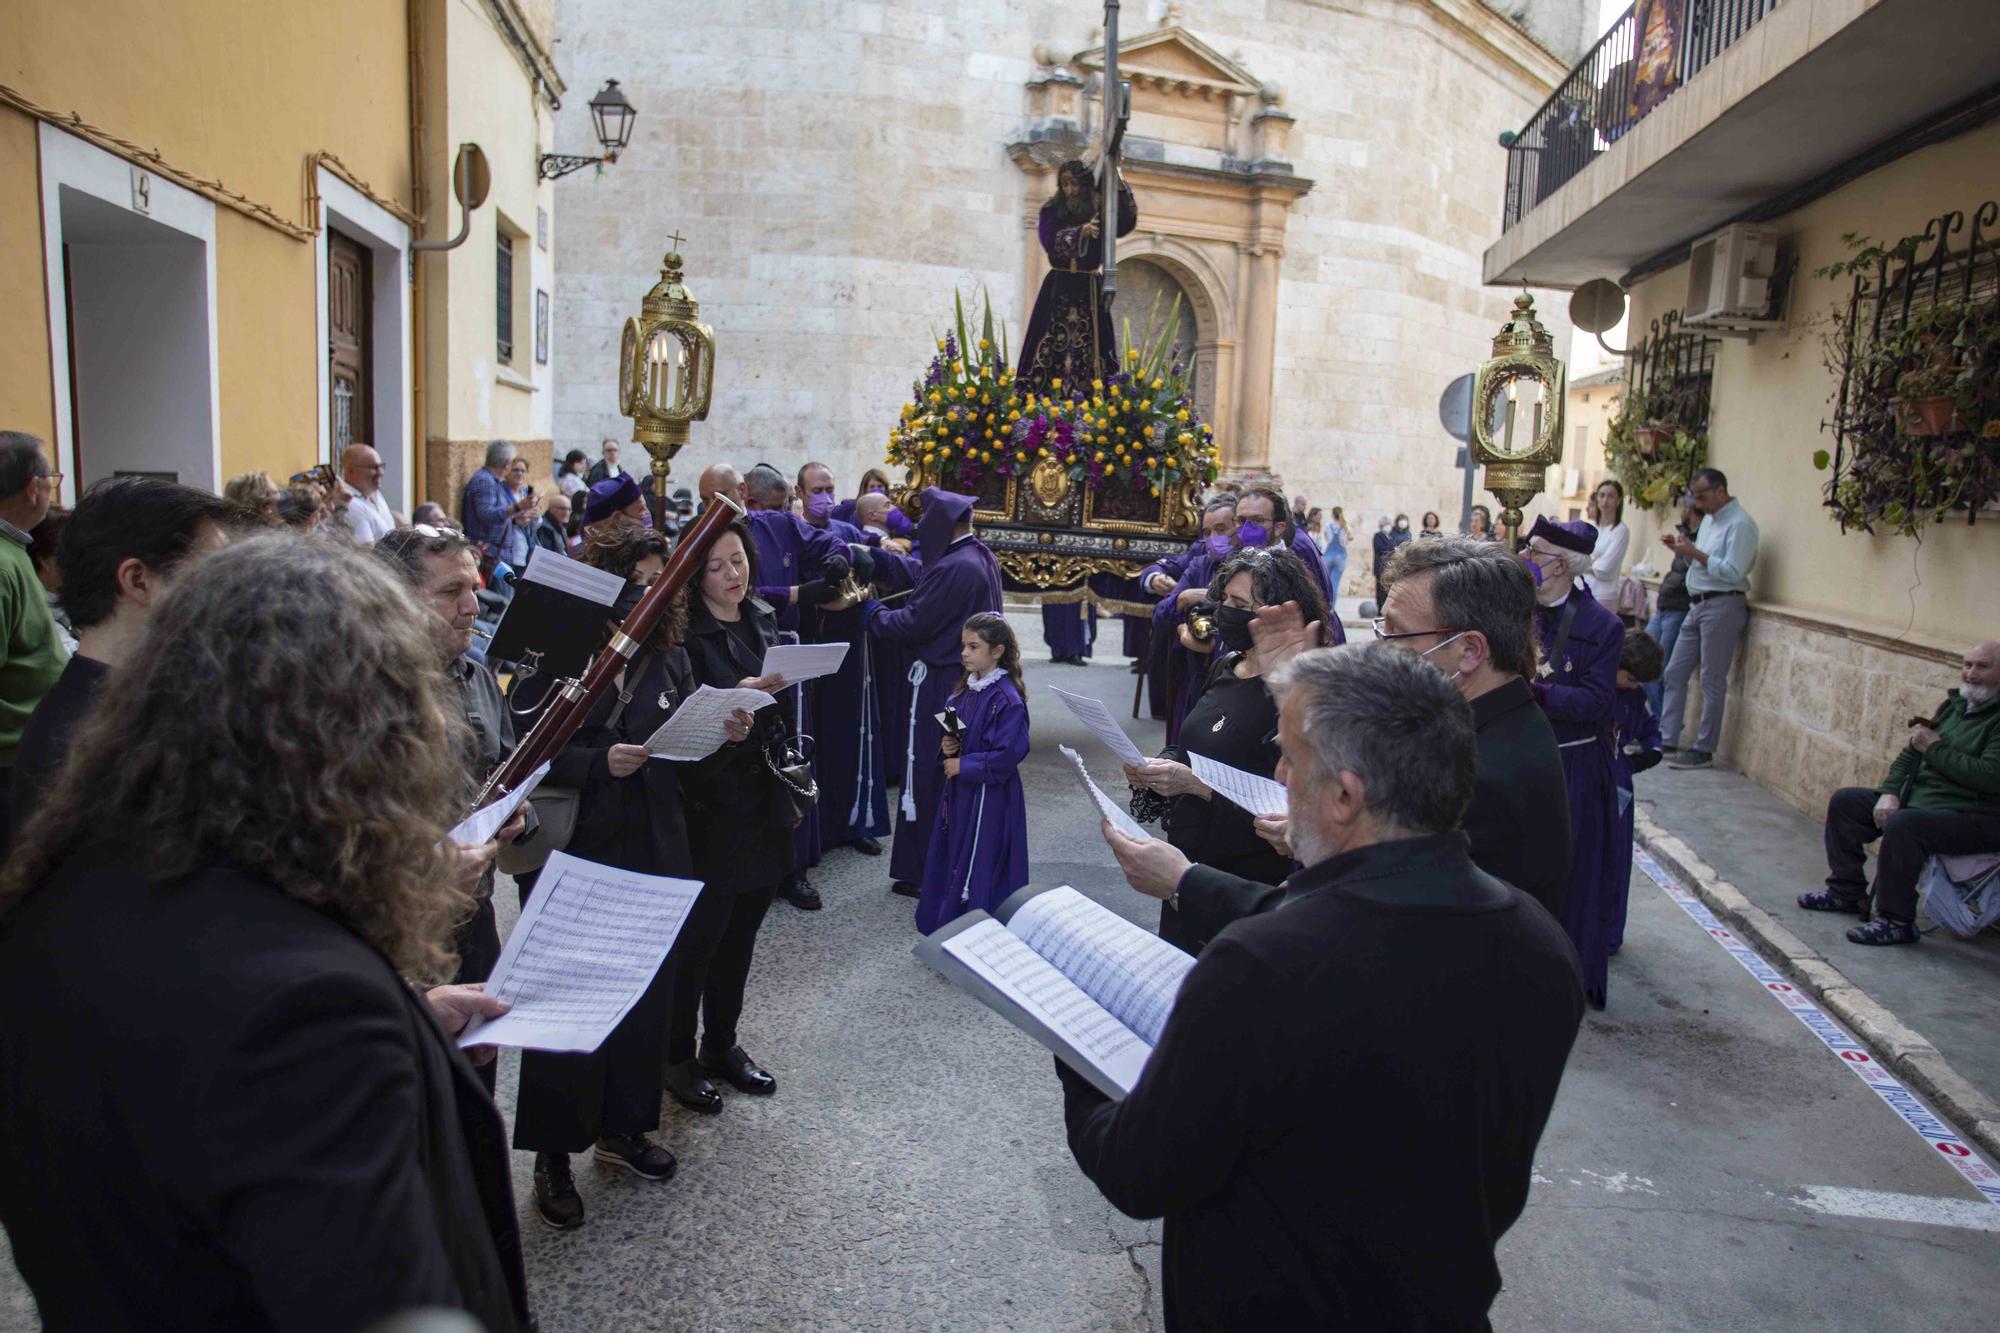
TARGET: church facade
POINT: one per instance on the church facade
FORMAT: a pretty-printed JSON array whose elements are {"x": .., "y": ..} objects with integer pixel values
[{"x": 1314, "y": 183}]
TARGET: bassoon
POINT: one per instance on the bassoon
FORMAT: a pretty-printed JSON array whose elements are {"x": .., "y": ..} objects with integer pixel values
[{"x": 574, "y": 698}]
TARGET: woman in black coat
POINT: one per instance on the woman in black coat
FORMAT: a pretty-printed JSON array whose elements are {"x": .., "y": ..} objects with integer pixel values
[
  {"x": 741, "y": 835},
  {"x": 1235, "y": 722},
  {"x": 629, "y": 815}
]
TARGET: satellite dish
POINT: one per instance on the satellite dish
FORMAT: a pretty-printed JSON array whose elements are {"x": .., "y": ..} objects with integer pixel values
[{"x": 1597, "y": 306}]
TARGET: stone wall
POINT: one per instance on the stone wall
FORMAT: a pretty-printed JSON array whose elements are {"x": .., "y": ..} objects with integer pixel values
[{"x": 1814, "y": 706}]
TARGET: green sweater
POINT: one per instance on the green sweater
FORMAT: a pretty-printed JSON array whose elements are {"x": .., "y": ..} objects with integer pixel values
[
  {"x": 31, "y": 656},
  {"x": 1961, "y": 770}
]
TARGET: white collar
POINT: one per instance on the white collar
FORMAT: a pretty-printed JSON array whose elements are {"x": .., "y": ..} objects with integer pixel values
[{"x": 978, "y": 683}]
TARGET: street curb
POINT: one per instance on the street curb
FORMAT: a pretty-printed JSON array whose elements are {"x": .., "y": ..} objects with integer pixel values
[{"x": 1895, "y": 1042}]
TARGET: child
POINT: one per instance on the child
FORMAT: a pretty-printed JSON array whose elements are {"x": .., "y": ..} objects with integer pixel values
[
  {"x": 979, "y": 849},
  {"x": 1635, "y": 748}
]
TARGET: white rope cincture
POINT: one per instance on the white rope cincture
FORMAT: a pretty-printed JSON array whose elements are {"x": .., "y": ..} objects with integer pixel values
[
  {"x": 972, "y": 858},
  {"x": 864, "y": 786},
  {"x": 918, "y": 671}
]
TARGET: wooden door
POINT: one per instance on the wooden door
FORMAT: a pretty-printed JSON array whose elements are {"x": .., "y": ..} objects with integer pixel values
[{"x": 350, "y": 328}]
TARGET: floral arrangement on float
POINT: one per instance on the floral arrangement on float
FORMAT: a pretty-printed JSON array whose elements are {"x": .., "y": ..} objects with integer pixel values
[
  {"x": 1125, "y": 439},
  {"x": 1650, "y": 452}
]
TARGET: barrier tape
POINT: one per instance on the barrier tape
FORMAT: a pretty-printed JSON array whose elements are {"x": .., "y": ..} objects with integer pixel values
[{"x": 1851, "y": 1053}]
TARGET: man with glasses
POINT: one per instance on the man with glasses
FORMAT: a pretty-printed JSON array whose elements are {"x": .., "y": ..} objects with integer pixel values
[
  {"x": 1718, "y": 585},
  {"x": 31, "y": 654},
  {"x": 1467, "y": 607},
  {"x": 368, "y": 515}
]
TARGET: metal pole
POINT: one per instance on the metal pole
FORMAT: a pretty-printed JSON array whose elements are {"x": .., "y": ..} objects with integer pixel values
[{"x": 1110, "y": 184}]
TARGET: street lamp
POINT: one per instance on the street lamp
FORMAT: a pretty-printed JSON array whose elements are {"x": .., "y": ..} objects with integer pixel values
[
  {"x": 613, "y": 117},
  {"x": 666, "y": 369},
  {"x": 1517, "y": 412}
]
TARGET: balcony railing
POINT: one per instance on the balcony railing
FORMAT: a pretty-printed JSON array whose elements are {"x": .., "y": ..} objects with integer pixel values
[{"x": 1631, "y": 70}]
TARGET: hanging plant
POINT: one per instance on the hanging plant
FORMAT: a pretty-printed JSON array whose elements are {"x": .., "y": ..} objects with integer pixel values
[{"x": 1651, "y": 453}]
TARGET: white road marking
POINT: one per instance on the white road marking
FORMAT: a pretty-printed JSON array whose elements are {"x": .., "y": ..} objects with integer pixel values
[{"x": 1881, "y": 1206}]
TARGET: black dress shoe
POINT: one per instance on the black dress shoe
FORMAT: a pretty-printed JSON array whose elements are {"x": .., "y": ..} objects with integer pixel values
[
  {"x": 902, "y": 888},
  {"x": 799, "y": 892},
  {"x": 686, "y": 1085},
  {"x": 556, "y": 1200},
  {"x": 740, "y": 1070},
  {"x": 866, "y": 846}
]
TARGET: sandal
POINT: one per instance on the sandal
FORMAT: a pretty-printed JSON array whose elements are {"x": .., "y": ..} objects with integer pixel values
[
  {"x": 1826, "y": 900},
  {"x": 1882, "y": 930}
]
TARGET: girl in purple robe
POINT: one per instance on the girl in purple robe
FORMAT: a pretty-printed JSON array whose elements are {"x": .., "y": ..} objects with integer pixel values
[{"x": 979, "y": 846}]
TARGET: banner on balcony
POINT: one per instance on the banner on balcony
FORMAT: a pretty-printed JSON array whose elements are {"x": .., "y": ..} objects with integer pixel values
[{"x": 1656, "y": 38}]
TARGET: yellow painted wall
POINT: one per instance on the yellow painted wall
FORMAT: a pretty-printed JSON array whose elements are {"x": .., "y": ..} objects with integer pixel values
[
  {"x": 240, "y": 93},
  {"x": 24, "y": 336},
  {"x": 1769, "y": 400}
]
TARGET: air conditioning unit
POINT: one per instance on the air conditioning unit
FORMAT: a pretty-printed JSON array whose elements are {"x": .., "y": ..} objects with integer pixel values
[{"x": 1730, "y": 276}]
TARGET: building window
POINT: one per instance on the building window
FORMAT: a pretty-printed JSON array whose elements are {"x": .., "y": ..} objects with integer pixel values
[{"x": 503, "y": 296}]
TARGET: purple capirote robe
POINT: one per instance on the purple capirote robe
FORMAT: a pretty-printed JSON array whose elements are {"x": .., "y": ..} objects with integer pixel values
[
  {"x": 1069, "y": 628},
  {"x": 1579, "y": 693},
  {"x": 954, "y": 587},
  {"x": 848, "y": 760},
  {"x": 979, "y": 845},
  {"x": 1636, "y": 726}
]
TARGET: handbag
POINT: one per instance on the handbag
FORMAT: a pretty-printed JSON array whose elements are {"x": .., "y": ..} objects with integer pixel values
[
  {"x": 794, "y": 792},
  {"x": 555, "y": 812}
]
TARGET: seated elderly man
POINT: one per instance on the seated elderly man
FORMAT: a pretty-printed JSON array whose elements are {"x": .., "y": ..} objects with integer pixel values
[
  {"x": 1396, "y": 965},
  {"x": 1941, "y": 798}
]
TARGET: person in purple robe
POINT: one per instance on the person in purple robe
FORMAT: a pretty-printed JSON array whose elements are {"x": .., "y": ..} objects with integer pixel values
[
  {"x": 960, "y": 579},
  {"x": 1069, "y": 336},
  {"x": 1070, "y": 629},
  {"x": 848, "y": 761},
  {"x": 1635, "y": 747},
  {"x": 979, "y": 844},
  {"x": 799, "y": 567},
  {"x": 1160, "y": 582},
  {"x": 1581, "y": 643}
]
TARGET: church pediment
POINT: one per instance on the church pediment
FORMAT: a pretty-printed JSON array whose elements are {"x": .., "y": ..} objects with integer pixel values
[{"x": 1174, "y": 59}]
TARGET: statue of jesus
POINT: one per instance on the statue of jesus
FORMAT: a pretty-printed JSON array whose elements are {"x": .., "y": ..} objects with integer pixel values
[{"x": 1069, "y": 336}]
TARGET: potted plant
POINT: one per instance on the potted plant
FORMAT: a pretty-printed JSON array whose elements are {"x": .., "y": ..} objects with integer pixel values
[{"x": 1926, "y": 397}]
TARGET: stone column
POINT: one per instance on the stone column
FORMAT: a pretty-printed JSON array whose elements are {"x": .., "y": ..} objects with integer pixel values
[{"x": 1257, "y": 294}]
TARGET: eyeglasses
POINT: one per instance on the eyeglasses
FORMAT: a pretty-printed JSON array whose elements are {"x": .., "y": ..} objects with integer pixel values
[
  {"x": 435, "y": 534},
  {"x": 1380, "y": 625}
]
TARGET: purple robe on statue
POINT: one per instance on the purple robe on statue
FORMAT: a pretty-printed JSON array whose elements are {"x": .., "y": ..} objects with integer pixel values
[
  {"x": 791, "y": 551},
  {"x": 1069, "y": 628},
  {"x": 1578, "y": 690},
  {"x": 1069, "y": 335},
  {"x": 1635, "y": 748},
  {"x": 960, "y": 579},
  {"x": 979, "y": 846}
]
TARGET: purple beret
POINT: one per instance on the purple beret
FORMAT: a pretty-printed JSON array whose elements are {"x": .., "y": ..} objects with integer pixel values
[
  {"x": 1575, "y": 535},
  {"x": 609, "y": 496}
]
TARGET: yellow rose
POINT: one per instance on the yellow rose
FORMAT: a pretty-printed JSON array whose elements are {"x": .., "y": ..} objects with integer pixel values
[
  {"x": 1055, "y": 384},
  {"x": 1147, "y": 433},
  {"x": 1152, "y": 461},
  {"x": 930, "y": 458},
  {"x": 989, "y": 434},
  {"x": 1173, "y": 461},
  {"x": 1121, "y": 430},
  {"x": 984, "y": 345},
  {"x": 1098, "y": 457},
  {"x": 1097, "y": 385},
  {"x": 1184, "y": 438},
  {"x": 958, "y": 367},
  {"x": 1015, "y": 415},
  {"x": 1155, "y": 490},
  {"x": 940, "y": 344},
  {"x": 1131, "y": 354},
  {"x": 1041, "y": 453},
  {"x": 1020, "y": 455},
  {"x": 985, "y": 456},
  {"x": 936, "y": 399},
  {"x": 1159, "y": 384},
  {"x": 1181, "y": 415},
  {"x": 944, "y": 451}
]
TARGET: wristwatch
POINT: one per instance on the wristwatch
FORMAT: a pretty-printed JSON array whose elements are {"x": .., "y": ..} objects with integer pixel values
[{"x": 1174, "y": 900}]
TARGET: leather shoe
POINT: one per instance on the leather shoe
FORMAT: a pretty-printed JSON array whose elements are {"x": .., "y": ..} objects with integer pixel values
[
  {"x": 686, "y": 1085},
  {"x": 556, "y": 1200},
  {"x": 740, "y": 1070},
  {"x": 866, "y": 846},
  {"x": 902, "y": 888},
  {"x": 799, "y": 892}
]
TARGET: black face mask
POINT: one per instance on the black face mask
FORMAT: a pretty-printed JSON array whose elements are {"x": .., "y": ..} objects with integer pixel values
[{"x": 1232, "y": 628}]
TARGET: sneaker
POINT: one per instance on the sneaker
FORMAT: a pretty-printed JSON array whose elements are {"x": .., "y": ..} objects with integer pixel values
[
  {"x": 799, "y": 892},
  {"x": 637, "y": 1154},
  {"x": 1690, "y": 759},
  {"x": 556, "y": 1200},
  {"x": 1884, "y": 930},
  {"x": 1826, "y": 900}
]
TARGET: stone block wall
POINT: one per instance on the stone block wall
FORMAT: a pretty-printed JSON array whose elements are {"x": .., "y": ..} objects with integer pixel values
[{"x": 1814, "y": 707}]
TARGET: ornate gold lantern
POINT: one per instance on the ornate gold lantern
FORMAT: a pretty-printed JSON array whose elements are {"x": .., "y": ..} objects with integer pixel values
[
  {"x": 666, "y": 369},
  {"x": 1517, "y": 412}
]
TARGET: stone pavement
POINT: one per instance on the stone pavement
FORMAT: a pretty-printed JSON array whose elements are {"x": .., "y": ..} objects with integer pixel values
[{"x": 1932, "y": 1008}]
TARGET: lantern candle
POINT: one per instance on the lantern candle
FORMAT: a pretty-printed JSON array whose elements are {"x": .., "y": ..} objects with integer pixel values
[{"x": 1508, "y": 444}]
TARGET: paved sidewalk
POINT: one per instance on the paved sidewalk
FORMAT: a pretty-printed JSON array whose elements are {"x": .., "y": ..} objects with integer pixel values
[{"x": 1931, "y": 1008}]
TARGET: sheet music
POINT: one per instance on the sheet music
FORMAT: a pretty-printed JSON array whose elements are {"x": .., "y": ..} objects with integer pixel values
[
  {"x": 1094, "y": 715},
  {"x": 803, "y": 661},
  {"x": 585, "y": 948},
  {"x": 1260, "y": 796},
  {"x": 1132, "y": 972},
  {"x": 694, "y": 730},
  {"x": 556, "y": 570},
  {"x": 1107, "y": 807},
  {"x": 480, "y": 826},
  {"x": 1051, "y": 999}
]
